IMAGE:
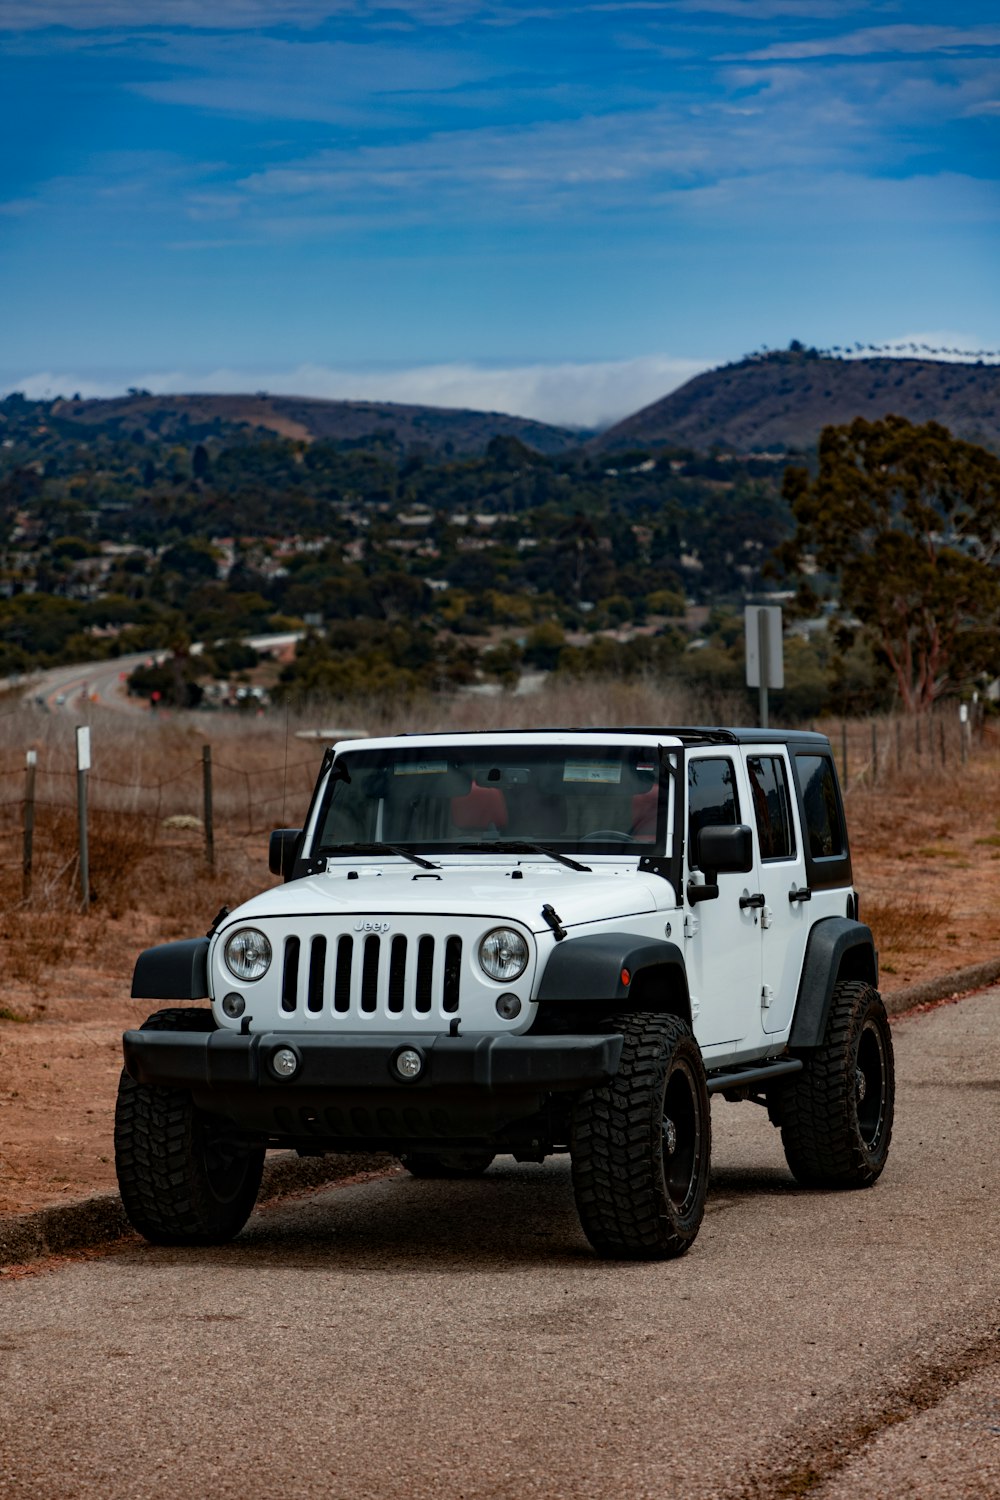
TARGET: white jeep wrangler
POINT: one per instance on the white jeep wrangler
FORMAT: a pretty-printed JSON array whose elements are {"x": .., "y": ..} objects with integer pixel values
[{"x": 524, "y": 943}]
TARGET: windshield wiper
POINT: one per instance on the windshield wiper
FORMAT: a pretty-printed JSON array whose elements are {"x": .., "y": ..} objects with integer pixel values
[
  {"x": 418, "y": 859},
  {"x": 521, "y": 846}
]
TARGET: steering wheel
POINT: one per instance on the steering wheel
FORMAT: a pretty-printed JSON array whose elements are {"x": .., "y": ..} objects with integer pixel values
[{"x": 606, "y": 833}]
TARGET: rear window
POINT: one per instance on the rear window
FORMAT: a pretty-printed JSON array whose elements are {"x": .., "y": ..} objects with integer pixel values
[
  {"x": 824, "y": 831},
  {"x": 771, "y": 805}
]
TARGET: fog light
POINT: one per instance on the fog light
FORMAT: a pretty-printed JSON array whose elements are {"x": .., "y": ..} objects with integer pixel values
[
  {"x": 284, "y": 1062},
  {"x": 233, "y": 1005},
  {"x": 508, "y": 1007},
  {"x": 408, "y": 1064}
]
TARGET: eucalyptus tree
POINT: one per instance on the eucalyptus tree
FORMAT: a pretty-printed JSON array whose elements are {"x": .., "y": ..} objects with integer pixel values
[{"x": 907, "y": 519}]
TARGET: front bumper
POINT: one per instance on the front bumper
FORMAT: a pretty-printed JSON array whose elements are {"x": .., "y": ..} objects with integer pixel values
[{"x": 345, "y": 1090}]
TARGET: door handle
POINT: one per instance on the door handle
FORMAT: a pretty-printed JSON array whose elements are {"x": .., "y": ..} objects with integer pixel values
[
  {"x": 804, "y": 894},
  {"x": 752, "y": 901}
]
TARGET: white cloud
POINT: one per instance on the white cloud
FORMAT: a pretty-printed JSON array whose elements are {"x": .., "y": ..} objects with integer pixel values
[
  {"x": 251, "y": 15},
  {"x": 572, "y": 394},
  {"x": 46, "y": 384},
  {"x": 851, "y": 119},
  {"x": 903, "y": 39},
  {"x": 273, "y": 77},
  {"x": 767, "y": 10},
  {"x": 95, "y": 15},
  {"x": 846, "y": 198},
  {"x": 537, "y": 167}
]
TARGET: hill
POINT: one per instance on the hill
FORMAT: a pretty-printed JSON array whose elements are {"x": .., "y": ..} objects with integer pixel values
[
  {"x": 192, "y": 418},
  {"x": 782, "y": 401}
]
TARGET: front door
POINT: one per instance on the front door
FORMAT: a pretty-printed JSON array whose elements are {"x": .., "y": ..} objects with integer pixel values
[{"x": 723, "y": 944}]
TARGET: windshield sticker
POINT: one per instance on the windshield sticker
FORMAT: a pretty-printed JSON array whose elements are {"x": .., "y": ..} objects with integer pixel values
[
  {"x": 420, "y": 768},
  {"x": 609, "y": 771}
]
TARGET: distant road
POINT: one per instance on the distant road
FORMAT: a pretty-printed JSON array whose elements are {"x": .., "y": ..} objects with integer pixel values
[{"x": 64, "y": 689}]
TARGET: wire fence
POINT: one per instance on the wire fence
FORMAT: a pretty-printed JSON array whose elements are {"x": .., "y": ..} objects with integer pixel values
[
  {"x": 198, "y": 810},
  {"x": 168, "y": 797},
  {"x": 883, "y": 748},
  {"x": 50, "y": 838}
]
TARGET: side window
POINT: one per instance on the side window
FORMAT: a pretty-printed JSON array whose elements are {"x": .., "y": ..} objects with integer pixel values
[
  {"x": 821, "y": 805},
  {"x": 712, "y": 797},
  {"x": 771, "y": 806}
]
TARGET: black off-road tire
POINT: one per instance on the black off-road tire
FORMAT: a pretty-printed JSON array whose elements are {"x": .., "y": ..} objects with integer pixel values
[
  {"x": 447, "y": 1163},
  {"x": 641, "y": 1145},
  {"x": 836, "y": 1115},
  {"x": 185, "y": 1176}
]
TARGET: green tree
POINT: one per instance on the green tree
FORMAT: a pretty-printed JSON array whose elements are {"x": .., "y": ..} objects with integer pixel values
[
  {"x": 544, "y": 644},
  {"x": 908, "y": 519}
]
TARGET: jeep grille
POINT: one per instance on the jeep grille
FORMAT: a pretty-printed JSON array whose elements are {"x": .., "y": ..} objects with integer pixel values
[{"x": 347, "y": 976}]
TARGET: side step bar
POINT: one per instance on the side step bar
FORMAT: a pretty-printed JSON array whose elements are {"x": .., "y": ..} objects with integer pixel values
[{"x": 741, "y": 1078}]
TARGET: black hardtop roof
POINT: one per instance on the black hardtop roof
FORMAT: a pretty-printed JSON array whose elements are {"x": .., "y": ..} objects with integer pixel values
[{"x": 688, "y": 734}]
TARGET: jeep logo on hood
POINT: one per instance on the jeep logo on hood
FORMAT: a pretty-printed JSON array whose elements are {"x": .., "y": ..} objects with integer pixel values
[{"x": 369, "y": 924}]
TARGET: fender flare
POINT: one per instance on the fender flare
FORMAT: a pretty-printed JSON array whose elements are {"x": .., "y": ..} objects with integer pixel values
[
  {"x": 172, "y": 971},
  {"x": 590, "y": 969},
  {"x": 838, "y": 948}
]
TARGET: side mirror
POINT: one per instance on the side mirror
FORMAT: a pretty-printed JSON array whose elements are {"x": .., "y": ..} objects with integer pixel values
[
  {"x": 281, "y": 851},
  {"x": 724, "y": 850}
]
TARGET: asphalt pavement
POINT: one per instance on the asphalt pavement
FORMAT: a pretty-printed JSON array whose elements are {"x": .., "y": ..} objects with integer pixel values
[
  {"x": 411, "y": 1338},
  {"x": 72, "y": 688}
]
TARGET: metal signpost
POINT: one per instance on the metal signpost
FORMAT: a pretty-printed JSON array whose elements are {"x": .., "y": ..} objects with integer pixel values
[
  {"x": 765, "y": 652},
  {"x": 29, "y": 823},
  {"x": 82, "y": 767}
]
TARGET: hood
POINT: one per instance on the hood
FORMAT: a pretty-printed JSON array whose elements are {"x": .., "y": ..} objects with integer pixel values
[{"x": 464, "y": 889}]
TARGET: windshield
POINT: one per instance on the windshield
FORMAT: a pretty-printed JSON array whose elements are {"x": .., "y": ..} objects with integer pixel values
[{"x": 591, "y": 799}]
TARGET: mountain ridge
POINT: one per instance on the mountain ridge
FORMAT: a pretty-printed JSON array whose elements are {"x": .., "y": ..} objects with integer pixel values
[
  {"x": 780, "y": 402},
  {"x": 774, "y": 403},
  {"x": 442, "y": 429}
]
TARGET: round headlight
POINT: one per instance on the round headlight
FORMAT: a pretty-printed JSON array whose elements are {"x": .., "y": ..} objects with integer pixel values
[
  {"x": 503, "y": 954},
  {"x": 247, "y": 954}
]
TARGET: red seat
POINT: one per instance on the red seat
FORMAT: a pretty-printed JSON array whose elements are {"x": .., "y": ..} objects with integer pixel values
[
  {"x": 644, "y": 808},
  {"x": 481, "y": 808}
]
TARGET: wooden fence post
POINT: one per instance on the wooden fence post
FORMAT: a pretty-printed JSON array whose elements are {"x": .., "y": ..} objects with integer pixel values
[
  {"x": 843, "y": 748},
  {"x": 29, "y": 822},
  {"x": 206, "y": 775}
]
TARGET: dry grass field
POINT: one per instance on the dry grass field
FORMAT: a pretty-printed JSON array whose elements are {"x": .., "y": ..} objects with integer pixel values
[{"x": 925, "y": 833}]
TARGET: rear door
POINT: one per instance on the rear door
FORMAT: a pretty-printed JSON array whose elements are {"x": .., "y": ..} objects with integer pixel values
[{"x": 786, "y": 916}]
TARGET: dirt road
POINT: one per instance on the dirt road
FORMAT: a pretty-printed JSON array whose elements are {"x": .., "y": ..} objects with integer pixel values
[{"x": 405, "y": 1338}]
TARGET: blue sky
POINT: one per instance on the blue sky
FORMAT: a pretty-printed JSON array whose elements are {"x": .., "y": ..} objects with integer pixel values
[{"x": 557, "y": 209}]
